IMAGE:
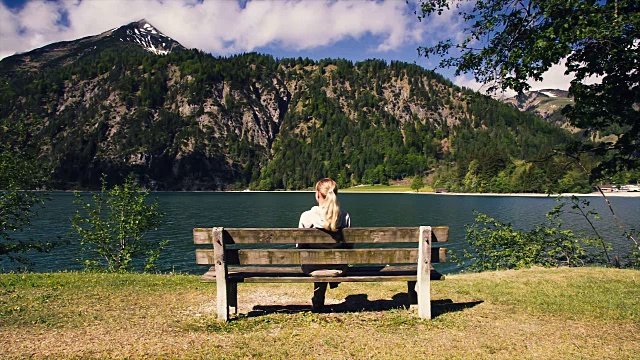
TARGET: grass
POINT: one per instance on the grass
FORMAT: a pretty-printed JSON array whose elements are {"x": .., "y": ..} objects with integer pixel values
[
  {"x": 590, "y": 313},
  {"x": 385, "y": 188}
]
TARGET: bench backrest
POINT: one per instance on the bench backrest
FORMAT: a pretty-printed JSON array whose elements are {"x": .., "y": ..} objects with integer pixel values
[{"x": 277, "y": 246}]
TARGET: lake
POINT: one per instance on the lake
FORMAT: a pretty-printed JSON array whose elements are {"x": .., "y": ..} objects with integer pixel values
[{"x": 186, "y": 210}]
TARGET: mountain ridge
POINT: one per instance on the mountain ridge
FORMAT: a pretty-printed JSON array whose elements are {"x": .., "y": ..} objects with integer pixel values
[{"x": 191, "y": 121}]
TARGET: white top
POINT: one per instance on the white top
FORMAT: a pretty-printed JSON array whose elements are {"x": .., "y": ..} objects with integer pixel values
[{"x": 314, "y": 218}]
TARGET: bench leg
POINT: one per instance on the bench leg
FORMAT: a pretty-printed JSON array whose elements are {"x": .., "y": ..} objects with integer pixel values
[
  {"x": 222, "y": 286},
  {"x": 413, "y": 295},
  {"x": 233, "y": 297},
  {"x": 424, "y": 299},
  {"x": 222, "y": 300},
  {"x": 424, "y": 273}
]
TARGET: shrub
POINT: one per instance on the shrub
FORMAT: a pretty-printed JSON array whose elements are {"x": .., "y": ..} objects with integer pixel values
[
  {"x": 113, "y": 228},
  {"x": 495, "y": 245}
]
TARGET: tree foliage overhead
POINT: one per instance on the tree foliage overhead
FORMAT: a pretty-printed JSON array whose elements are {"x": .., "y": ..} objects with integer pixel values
[{"x": 507, "y": 43}]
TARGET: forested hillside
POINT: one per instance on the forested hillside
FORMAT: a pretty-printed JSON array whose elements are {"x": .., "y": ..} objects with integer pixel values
[{"x": 192, "y": 121}]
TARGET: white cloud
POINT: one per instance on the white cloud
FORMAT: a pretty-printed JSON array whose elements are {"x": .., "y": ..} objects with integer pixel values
[
  {"x": 554, "y": 78},
  {"x": 470, "y": 83},
  {"x": 29, "y": 28},
  {"x": 220, "y": 27},
  {"x": 448, "y": 25}
]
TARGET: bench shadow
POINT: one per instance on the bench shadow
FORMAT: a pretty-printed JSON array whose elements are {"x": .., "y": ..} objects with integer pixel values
[
  {"x": 361, "y": 303},
  {"x": 441, "y": 307}
]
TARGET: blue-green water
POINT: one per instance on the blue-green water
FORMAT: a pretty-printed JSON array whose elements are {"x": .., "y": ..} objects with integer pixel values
[{"x": 186, "y": 210}]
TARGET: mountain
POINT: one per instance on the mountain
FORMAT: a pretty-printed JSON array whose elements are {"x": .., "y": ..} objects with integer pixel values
[
  {"x": 139, "y": 34},
  {"x": 547, "y": 103},
  {"x": 186, "y": 120}
]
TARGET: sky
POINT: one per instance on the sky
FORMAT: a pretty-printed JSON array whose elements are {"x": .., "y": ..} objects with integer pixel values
[{"x": 352, "y": 29}]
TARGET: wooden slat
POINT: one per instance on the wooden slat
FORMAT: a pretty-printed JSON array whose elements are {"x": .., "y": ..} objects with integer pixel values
[
  {"x": 335, "y": 256},
  {"x": 319, "y": 256},
  {"x": 294, "y": 279},
  {"x": 241, "y": 270},
  {"x": 298, "y": 270},
  {"x": 315, "y": 236},
  {"x": 439, "y": 234},
  {"x": 438, "y": 255},
  {"x": 284, "y": 278},
  {"x": 209, "y": 276},
  {"x": 202, "y": 236}
]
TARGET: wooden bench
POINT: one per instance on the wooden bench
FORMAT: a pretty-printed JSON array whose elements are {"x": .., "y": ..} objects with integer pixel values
[{"x": 271, "y": 255}]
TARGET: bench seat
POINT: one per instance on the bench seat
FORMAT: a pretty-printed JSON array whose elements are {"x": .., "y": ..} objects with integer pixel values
[{"x": 294, "y": 274}]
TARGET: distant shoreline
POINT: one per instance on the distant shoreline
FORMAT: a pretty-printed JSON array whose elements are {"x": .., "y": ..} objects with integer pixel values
[
  {"x": 608, "y": 194},
  {"x": 627, "y": 194}
]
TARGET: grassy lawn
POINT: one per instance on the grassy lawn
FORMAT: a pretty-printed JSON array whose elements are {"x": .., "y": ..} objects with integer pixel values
[
  {"x": 588, "y": 313},
  {"x": 385, "y": 188}
]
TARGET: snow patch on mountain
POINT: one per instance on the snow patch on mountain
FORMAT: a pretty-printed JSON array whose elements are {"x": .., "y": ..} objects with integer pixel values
[
  {"x": 545, "y": 102},
  {"x": 146, "y": 42},
  {"x": 149, "y": 38}
]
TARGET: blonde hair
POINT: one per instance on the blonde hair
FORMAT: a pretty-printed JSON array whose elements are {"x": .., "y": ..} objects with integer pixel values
[{"x": 331, "y": 207}]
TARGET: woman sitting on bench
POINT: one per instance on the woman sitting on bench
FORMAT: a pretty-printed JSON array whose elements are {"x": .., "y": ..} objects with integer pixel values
[{"x": 328, "y": 216}]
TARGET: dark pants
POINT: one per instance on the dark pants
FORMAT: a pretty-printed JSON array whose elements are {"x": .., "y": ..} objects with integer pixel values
[
  {"x": 319, "y": 291},
  {"x": 320, "y": 288}
]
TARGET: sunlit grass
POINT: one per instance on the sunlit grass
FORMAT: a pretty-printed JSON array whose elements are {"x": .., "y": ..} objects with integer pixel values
[
  {"x": 537, "y": 313},
  {"x": 385, "y": 188}
]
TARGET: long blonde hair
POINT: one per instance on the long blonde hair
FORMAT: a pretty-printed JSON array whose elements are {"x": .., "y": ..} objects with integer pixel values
[{"x": 330, "y": 207}]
